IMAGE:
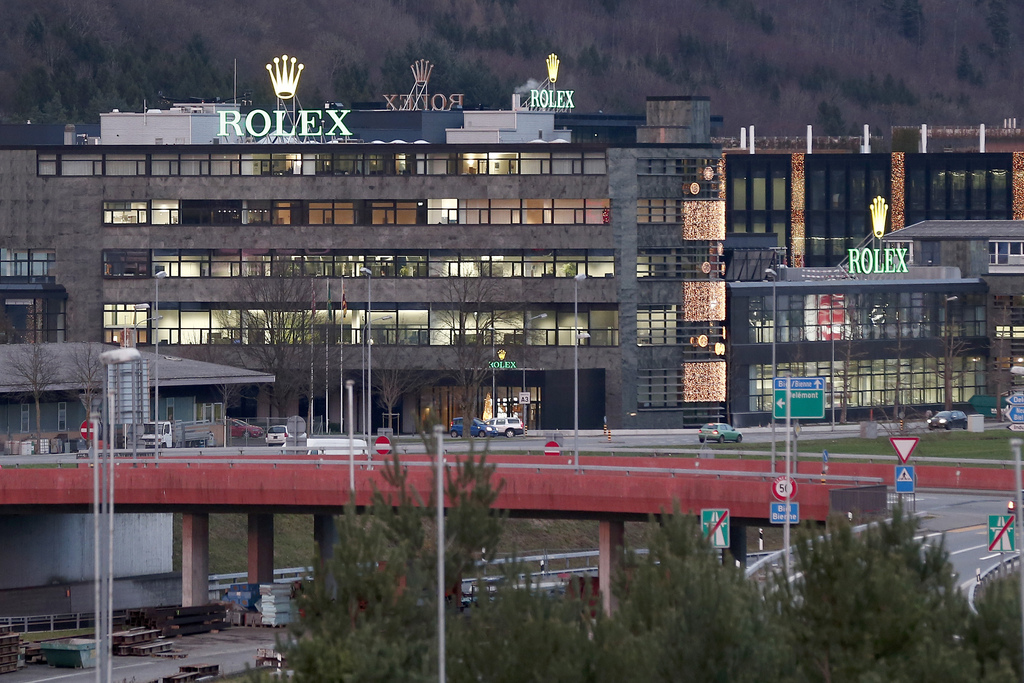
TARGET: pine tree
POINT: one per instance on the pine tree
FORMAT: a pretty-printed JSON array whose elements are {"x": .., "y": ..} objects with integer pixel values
[{"x": 881, "y": 606}]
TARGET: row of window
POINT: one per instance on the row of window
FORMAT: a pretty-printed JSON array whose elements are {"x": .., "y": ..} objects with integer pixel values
[
  {"x": 695, "y": 261},
  {"x": 1006, "y": 253},
  {"x": 375, "y": 163},
  {"x": 411, "y": 325},
  {"x": 356, "y": 212},
  {"x": 892, "y": 315},
  {"x": 346, "y": 263},
  {"x": 873, "y": 383},
  {"x": 26, "y": 262}
]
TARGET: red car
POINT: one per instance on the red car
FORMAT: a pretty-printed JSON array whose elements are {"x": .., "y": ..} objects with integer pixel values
[{"x": 240, "y": 429}]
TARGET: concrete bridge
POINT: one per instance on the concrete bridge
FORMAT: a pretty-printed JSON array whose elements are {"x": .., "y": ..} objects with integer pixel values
[{"x": 611, "y": 490}]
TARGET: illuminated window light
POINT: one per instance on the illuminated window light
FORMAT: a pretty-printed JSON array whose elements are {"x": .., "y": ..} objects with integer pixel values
[
  {"x": 721, "y": 178},
  {"x": 704, "y": 220},
  {"x": 897, "y": 199},
  {"x": 703, "y": 301},
  {"x": 704, "y": 382}
]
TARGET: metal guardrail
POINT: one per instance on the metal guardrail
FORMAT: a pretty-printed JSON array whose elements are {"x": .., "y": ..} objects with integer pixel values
[
  {"x": 56, "y": 622},
  {"x": 998, "y": 570}
]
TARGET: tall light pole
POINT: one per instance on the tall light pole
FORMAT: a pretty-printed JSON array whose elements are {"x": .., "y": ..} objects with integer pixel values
[
  {"x": 157, "y": 277},
  {"x": 576, "y": 336},
  {"x": 103, "y": 505},
  {"x": 947, "y": 354},
  {"x": 369, "y": 351},
  {"x": 526, "y": 341},
  {"x": 773, "y": 275},
  {"x": 369, "y": 366}
]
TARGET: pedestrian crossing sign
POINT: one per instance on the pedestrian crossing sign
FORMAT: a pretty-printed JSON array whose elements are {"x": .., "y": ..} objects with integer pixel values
[
  {"x": 715, "y": 525},
  {"x": 1001, "y": 538}
]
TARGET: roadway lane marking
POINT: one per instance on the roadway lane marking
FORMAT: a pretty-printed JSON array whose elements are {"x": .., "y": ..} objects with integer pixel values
[
  {"x": 990, "y": 557},
  {"x": 976, "y": 527},
  {"x": 967, "y": 550}
]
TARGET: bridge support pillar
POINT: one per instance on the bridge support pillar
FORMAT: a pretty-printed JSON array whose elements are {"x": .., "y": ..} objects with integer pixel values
[
  {"x": 195, "y": 559},
  {"x": 324, "y": 535},
  {"x": 738, "y": 543},
  {"x": 611, "y": 534},
  {"x": 261, "y": 548}
]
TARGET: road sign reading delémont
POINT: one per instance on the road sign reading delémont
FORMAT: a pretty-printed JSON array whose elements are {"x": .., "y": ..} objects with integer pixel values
[{"x": 807, "y": 395}]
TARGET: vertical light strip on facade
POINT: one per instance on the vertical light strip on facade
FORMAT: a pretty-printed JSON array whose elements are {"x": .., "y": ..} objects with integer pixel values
[
  {"x": 797, "y": 203},
  {"x": 897, "y": 198},
  {"x": 1018, "y": 186}
]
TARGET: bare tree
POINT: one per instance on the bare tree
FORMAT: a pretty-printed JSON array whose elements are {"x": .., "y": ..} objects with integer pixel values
[
  {"x": 392, "y": 381},
  {"x": 86, "y": 371},
  {"x": 468, "y": 314},
  {"x": 34, "y": 367},
  {"x": 275, "y": 333}
]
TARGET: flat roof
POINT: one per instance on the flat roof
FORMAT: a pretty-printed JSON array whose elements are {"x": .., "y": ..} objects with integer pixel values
[{"x": 958, "y": 230}]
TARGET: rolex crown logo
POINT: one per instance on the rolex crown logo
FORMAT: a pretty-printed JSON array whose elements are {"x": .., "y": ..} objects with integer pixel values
[
  {"x": 552, "y": 63},
  {"x": 284, "y": 75},
  {"x": 421, "y": 69},
  {"x": 879, "y": 209}
]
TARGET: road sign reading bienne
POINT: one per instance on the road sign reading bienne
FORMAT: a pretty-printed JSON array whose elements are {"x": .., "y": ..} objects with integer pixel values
[{"x": 807, "y": 396}]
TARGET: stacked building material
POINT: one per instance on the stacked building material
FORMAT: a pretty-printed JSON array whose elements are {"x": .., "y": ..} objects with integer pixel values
[
  {"x": 139, "y": 642},
  {"x": 180, "y": 621},
  {"x": 10, "y": 645},
  {"x": 192, "y": 672},
  {"x": 244, "y": 595},
  {"x": 276, "y": 604},
  {"x": 266, "y": 656}
]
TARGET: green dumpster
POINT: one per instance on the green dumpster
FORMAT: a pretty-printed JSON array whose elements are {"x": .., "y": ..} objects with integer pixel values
[{"x": 74, "y": 653}]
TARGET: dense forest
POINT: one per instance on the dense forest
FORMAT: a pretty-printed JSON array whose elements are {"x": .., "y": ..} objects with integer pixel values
[{"x": 778, "y": 65}]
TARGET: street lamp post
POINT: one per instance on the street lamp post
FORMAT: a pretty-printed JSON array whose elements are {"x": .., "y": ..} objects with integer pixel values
[
  {"x": 576, "y": 366},
  {"x": 947, "y": 354},
  {"x": 157, "y": 277},
  {"x": 103, "y": 506},
  {"x": 526, "y": 341},
  {"x": 368, "y": 392},
  {"x": 369, "y": 367},
  {"x": 773, "y": 275}
]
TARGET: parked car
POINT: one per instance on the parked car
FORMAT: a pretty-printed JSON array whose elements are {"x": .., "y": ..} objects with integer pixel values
[
  {"x": 948, "y": 419},
  {"x": 718, "y": 431},
  {"x": 277, "y": 435},
  {"x": 241, "y": 429},
  {"x": 509, "y": 426},
  {"x": 478, "y": 428}
]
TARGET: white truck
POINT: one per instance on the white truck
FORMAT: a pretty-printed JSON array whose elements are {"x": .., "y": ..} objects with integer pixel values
[{"x": 178, "y": 434}]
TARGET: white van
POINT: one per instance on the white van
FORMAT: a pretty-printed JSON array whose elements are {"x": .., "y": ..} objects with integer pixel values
[{"x": 334, "y": 445}]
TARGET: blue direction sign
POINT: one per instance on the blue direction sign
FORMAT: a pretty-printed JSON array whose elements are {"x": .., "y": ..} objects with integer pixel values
[
  {"x": 1015, "y": 399},
  {"x": 778, "y": 513},
  {"x": 1015, "y": 413},
  {"x": 807, "y": 397},
  {"x": 904, "y": 479}
]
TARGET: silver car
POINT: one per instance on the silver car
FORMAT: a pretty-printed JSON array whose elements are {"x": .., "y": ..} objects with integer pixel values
[{"x": 277, "y": 435}]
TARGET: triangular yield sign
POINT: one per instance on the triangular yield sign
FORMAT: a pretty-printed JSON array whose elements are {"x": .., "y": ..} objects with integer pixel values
[{"x": 904, "y": 446}]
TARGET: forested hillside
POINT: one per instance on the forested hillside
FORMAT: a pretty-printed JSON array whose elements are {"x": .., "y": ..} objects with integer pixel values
[{"x": 776, "y": 64}]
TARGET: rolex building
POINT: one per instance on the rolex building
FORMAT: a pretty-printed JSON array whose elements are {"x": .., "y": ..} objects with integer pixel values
[{"x": 448, "y": 262}]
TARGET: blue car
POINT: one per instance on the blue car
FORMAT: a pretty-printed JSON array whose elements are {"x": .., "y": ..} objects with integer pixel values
[{"x": 478, "y": 428}]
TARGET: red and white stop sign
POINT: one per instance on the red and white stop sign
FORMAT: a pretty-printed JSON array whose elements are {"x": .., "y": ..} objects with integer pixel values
[
  {"x": 382, "y": 445},
  {"x": 87, "y": 430},
  {"x": 552, "y": 448}
]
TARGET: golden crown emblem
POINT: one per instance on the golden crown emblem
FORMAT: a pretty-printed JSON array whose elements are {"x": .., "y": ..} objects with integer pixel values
[
  {"x": 421, "y": 70},
  {"x": 878, "y": 213},
  {"x": 284, "y": 75},
  {"x": 501, "y": 354},
  {"x": 552, "y": 63}
]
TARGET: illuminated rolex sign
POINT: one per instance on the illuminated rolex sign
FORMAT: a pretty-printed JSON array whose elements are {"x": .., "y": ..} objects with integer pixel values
[
  {"x": 547, "y": 97},
  {"x": 877, "y": 261},
  {"x": 284, "y": 77}
]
